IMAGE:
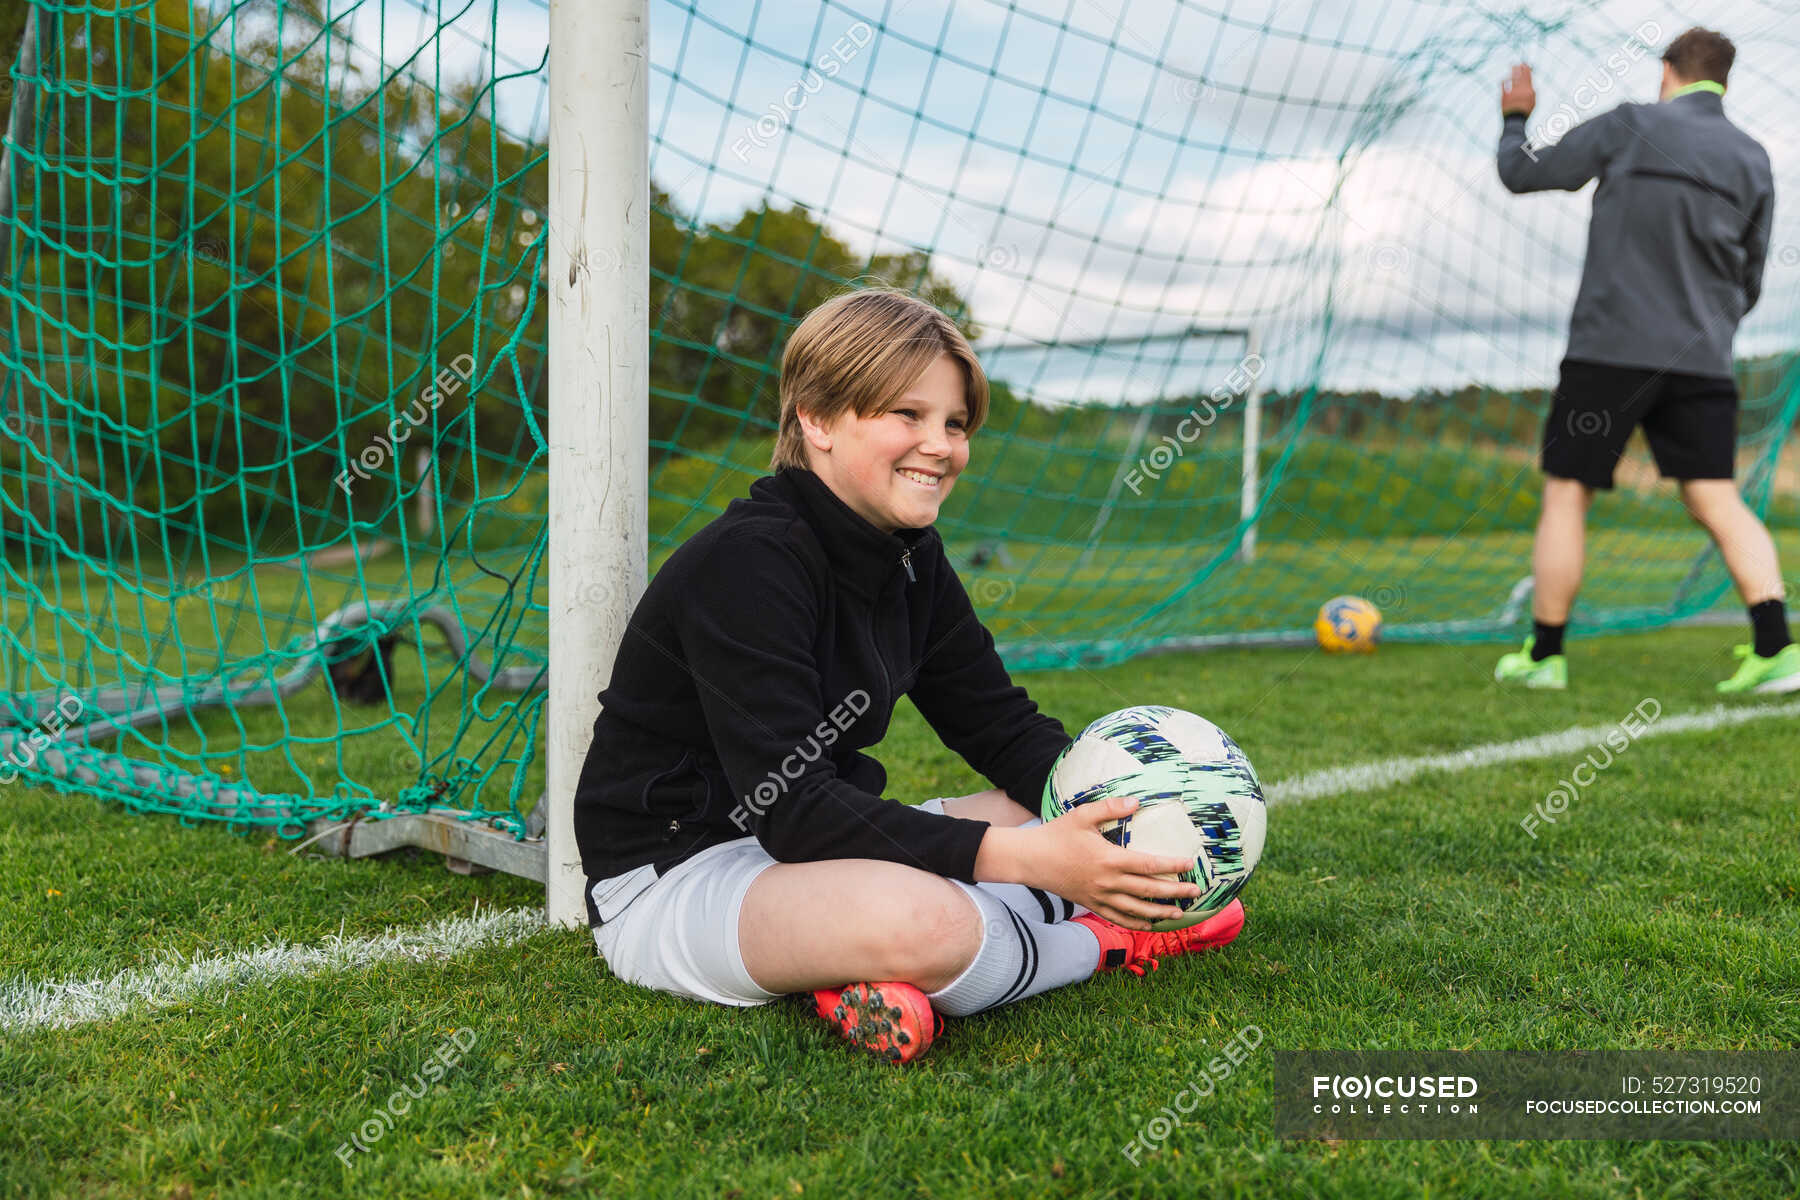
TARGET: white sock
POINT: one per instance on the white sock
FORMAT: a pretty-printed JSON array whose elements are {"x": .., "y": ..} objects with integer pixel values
[
  {"x": 1034, "y": 904},
  {"x": 1017, "y": 958}
]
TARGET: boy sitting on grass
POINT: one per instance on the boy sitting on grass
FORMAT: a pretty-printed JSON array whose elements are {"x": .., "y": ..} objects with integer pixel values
[{"x": 735, "y": 838}]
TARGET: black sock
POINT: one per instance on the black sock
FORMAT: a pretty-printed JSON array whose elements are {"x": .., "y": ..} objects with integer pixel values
[
  {"x": 1546, "y": 640},
  {"x": 1768, "y": 623}
]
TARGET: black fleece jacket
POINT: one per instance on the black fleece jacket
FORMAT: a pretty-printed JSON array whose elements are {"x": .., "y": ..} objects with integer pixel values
[{"x": 770, "y": 650}]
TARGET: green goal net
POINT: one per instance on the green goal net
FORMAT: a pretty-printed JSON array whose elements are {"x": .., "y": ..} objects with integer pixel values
[{"x": 1263, "y": 328}]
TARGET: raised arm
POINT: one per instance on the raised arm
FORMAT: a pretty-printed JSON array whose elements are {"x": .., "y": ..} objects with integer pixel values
[{"x": 1581, "y": 155}]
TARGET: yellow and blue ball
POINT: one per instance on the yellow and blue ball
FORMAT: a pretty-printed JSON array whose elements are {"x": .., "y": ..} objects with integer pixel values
[{"x": 1347, "y": 625}]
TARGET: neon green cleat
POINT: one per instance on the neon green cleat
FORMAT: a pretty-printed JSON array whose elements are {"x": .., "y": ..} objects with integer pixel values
[
  {"x": 1517, "y": 667},
  {"x": 1779, "y": 673}
]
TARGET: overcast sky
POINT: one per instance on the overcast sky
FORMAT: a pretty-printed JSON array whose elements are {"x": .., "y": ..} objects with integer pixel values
[{"x": 1095, "y": 169}]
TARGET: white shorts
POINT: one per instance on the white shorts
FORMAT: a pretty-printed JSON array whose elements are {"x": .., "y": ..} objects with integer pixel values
[{"x": 678, "y": 933}]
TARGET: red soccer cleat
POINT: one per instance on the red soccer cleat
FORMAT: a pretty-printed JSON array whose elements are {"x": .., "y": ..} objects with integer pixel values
[
  {"x": 893, "y": 1020},
  {"x": 1128, "y": 948}
]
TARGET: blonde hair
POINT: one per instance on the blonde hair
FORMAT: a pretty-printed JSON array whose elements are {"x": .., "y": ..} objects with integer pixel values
[{"x": 859, "y": 352}]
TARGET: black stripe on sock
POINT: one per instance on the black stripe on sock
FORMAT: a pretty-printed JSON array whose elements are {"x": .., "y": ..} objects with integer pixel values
[
  {"x": 1068, "y": 909},
  {"x": 1043, "y": 899},
  {"x": 1028, "y": 965}
]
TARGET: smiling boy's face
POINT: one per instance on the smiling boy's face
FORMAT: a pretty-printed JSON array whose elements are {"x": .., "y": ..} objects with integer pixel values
[{"x": 896, "y": 468}]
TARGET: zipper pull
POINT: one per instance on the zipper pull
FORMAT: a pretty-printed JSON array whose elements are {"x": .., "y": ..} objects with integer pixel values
[{"x": 906, "y": 561}]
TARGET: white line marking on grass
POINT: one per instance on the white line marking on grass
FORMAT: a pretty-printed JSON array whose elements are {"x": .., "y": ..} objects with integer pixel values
[
  {"x": 25, "y": 1006},
  {"x": 1334, "y": 781}
]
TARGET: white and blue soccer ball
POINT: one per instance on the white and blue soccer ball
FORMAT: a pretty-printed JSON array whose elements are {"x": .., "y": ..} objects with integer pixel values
[{"x": 1198, "y": 796}]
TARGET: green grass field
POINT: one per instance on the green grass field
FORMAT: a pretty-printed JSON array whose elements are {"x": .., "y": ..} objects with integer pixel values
[{"x": 1658, "y": 913}]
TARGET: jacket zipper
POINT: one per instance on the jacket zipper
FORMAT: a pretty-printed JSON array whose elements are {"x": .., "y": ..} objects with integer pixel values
[{"x": 887, "y": 680}]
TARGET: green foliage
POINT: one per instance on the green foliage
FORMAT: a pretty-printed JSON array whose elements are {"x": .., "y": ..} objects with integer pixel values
[
  {"x": 244, "y": 270},
  {"x": 12, "y": 33},
  {"x": 723, "y": 297}
]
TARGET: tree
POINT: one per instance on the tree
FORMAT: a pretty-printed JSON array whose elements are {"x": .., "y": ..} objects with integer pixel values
[
  {"x": 243, "y": 264},
  {"x": 12, "y": 33},
  {"x": 725, "y": 296}
]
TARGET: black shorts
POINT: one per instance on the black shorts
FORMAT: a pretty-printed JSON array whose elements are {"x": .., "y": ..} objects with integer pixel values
[{"x": 1690, "y": 422}]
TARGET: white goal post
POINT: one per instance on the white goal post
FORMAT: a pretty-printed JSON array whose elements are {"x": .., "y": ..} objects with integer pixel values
[
  {"x": 599, "y": 346},
  {"x": 1250, "y": 487}
]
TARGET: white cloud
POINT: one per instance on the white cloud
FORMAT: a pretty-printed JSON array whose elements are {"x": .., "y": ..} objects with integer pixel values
[{"x": 1156, "y": 163}]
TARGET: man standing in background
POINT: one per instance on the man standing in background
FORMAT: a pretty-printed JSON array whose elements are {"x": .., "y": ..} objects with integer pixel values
[{"x": 1675, "y": 254}]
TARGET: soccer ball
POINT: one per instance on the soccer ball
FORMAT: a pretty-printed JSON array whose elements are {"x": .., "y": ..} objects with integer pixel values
[
  {"x": 1348, "y": 624},
  {"x": 1198, "y": 795}
]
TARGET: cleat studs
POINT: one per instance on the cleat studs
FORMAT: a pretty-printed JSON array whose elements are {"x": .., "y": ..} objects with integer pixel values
[{"x": 904, "y": 1039}]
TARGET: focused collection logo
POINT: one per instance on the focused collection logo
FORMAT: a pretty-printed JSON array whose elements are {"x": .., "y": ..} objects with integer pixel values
[
  {"x": 1375, "y": 1095},
  {"x": 1552, "y": 1094}
]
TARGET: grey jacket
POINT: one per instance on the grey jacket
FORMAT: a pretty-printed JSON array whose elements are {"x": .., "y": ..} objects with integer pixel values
[{"x": 1679, "y": 234}]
